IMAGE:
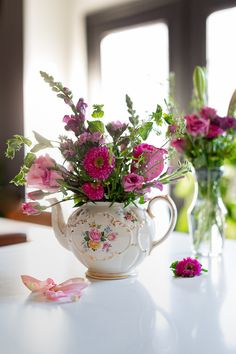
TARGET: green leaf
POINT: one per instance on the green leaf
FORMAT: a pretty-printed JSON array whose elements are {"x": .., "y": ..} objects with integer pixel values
[
  {"x": 29, "y": 159},
  {"x": 134, "y": 119},
  {"x": 232, "y": 106},
  {"x": 199, "y": 84},
  {"x": 19, "y": 179},
  {"x": 174, "y": 264},
  {"x": 15, "y": 144},
  {"x": 141, "y": 200},
  {"x": 145, "y": 130},
  {"x": 98, "y": 111},
  {"x": 41, "y": 140},
  {"x": 168, "y": 118},
  {"x": 96, "y": 126}
]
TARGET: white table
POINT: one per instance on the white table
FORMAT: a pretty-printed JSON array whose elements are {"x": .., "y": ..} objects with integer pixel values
[{"x": 152, "y": 313}]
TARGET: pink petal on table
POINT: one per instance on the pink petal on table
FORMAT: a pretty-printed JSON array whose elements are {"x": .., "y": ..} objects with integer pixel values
[
  {"x": 36, "y": 285},
  {"x": 70, "y": 289}
]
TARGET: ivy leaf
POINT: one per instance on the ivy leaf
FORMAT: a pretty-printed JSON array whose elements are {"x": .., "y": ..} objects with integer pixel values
[
  {"x": 19, "y": 179},
  {"x": 98, "y": 111},
  {"x": 168, "y": 118},
  {"x": 145, "y": 130},
  {"x": 15, "y": 144},
  {"x": 96, "y": 126}
]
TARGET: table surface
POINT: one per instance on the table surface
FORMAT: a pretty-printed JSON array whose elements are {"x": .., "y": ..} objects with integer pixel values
[{"x": 150, "y": 313}]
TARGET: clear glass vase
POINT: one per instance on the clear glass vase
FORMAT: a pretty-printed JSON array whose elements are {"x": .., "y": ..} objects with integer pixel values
[{"x": 206, "y": 215}]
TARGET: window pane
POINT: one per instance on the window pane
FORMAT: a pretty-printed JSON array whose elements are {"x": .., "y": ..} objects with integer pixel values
[
  {"x": 221, "y": 58},
  {"x": 134, "y": 62}
]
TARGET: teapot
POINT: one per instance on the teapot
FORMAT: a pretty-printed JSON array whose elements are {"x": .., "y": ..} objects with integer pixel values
[{"x": 109, "y": 239}]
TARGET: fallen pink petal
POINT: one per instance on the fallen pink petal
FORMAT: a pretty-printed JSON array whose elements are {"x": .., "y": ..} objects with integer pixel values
[{"x": 68, "y": 291}]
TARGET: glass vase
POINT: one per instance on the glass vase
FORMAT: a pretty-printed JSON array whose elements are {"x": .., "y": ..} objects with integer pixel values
[{"x": 206, "y": 215}]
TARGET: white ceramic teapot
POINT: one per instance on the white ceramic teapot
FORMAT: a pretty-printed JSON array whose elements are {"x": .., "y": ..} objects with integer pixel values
[{"x": 110, "y": 240}]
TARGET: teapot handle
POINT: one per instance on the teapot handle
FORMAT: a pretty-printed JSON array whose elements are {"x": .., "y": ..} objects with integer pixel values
[{"x": 173, "y": 216}]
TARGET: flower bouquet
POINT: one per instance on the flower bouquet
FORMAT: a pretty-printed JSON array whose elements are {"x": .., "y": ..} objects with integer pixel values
[
  {"x": 101, "y": 162},
  {"x": 207, "y": 140}
]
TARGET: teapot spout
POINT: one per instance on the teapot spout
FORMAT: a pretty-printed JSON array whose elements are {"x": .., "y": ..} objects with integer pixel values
[{"x": 58, "y": 222}]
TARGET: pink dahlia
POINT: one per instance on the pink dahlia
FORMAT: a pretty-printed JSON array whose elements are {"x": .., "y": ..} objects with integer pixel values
[
  {"x": 98, "y": 163},
  {"x": 151, "y": 161},
  {"x": 94, "y": 191},
  {"x": 188, "y": 267}
]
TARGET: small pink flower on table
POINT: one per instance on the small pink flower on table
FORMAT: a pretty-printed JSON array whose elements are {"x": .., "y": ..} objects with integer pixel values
[{"x": 187, "y": 267}]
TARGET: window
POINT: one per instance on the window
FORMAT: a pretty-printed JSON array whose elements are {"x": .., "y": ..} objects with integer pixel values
[
  {"x": 221, "y": 58},
  {"x": 134, "y": 62}
]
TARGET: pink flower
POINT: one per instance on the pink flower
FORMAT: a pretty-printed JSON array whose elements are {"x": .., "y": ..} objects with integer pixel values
[
  {"x": 111, "y": 236},
  {"x": 31, "y": 208},
  {"x": 69, "y": 290},
  {"x": 42, "y": 175},
  {"x": 180, "y": 144},
  {"x": 152, "y": 161},
  {"x": 93, "y": 137},
  {"x": 158, "y": 185},
  {"x": 116, "y": 128},
  {"x": 98, "y": 163},
  {"x": 214, "y": 131},
  {"x": 95, "y": 235},
  {"x": 208, "y": 113},
  {"x": 94, "y": 191},
  {"x": 106, "y": 246},
  {"x": 132, "y": 181},
  {"x": 197, "y": 126},
  {"x": 187, "y": 267}
]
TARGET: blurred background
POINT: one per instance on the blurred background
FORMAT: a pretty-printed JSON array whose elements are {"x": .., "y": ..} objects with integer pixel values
[{"x": 103, "y": 49}]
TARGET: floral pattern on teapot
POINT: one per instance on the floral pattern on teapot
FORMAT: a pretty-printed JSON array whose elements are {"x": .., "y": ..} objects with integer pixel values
[{"x": 97, "y": 239}]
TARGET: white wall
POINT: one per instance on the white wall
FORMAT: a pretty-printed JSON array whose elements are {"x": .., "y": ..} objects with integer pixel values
[{"x": 55, "y": 42}]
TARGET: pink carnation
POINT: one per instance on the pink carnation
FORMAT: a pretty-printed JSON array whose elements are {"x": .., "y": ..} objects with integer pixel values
[
  {"x": 31, "y": 208},
  {"x": 94, "y": 191},
  {"x": 197, "y": 126},
  {"x": 152, "y": 161},
  {"x": 208, "y": 113},
  {"x": 214, "y": 131},
  {"x": 98, "y": 163},
  {"x": 132, "y": 181},
  {"x": 41, "y": 174},
  {"x": 188, "y": 267},
  {"x": 179, "y": 144}
]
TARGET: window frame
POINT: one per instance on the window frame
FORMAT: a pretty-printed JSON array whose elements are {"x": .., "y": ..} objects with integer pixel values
[{"x": 186, "y": 20}]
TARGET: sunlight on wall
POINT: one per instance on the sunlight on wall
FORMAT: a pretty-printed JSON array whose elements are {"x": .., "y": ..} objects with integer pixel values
[{"x": 221, "y": 58}]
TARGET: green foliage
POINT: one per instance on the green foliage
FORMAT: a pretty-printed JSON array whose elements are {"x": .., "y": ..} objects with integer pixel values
[
  {"x": 15, "y": 144},
  {"x": 145, "y": 130},
  {"x": 96, "y": 126},
  {"x": 134, "y": 118},
  {"x": 98, "y": 111}
]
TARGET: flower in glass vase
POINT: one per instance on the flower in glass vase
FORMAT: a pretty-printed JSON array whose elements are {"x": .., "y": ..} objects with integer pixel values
[{"x": 207, "y": 140}]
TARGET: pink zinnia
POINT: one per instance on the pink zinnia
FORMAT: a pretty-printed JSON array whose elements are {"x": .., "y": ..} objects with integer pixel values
[
  {"x": 94, "y": 191},
  {"x": 132, "y": 181},
  {"x": 152, "y": 161},
  {"x": 98, "y": 163},
  {"x": 188, "y": 267}
]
